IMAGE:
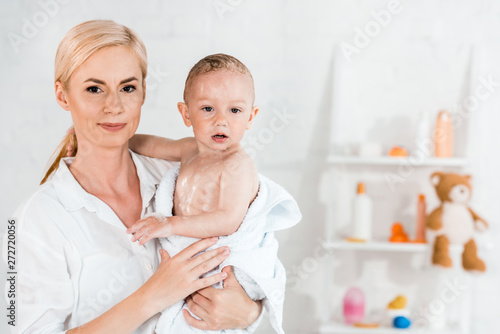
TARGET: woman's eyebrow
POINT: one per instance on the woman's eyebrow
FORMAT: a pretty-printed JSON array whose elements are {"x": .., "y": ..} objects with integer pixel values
[
  {"x": 128, "y": 80},
  {"x": 95, "y": 80},
  {"x": 103, "y": 83}
]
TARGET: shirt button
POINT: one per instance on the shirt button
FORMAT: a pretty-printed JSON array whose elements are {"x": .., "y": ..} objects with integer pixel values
[{"x": 149, "y": 267}]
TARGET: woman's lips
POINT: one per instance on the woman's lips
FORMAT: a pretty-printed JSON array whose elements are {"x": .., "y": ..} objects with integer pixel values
[{"x": 112, "y": 127}]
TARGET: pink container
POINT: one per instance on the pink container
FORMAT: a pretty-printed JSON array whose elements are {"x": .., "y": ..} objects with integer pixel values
[{"x": 354, "y": 306}]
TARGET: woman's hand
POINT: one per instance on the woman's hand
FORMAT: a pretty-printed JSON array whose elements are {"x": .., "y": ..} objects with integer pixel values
[
  {"x": 222, "y": 309},
  {"x": 179, "y": 276}
]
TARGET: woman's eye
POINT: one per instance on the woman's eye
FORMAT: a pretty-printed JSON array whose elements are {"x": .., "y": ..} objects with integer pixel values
[
  {"x": 235, "y": 110},
  {"x": 208, "y": 109},
  {"x": 129, "y": 89},
  {"x": 93, "y": 89}
]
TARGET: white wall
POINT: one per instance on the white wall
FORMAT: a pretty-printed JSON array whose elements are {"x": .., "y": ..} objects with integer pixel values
[{"x": 418, "y": 62}]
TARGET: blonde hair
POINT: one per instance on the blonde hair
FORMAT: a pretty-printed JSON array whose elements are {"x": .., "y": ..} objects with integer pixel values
[
  {"x": 81, "y": 42},
  {"x": 215, "y": 62}
]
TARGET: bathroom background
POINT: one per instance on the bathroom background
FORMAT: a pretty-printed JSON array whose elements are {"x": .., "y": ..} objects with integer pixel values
[{"x": 331, "y": 77}]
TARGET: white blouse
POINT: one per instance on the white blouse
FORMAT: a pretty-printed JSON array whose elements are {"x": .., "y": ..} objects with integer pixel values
[{"x": 74, "y": 259}]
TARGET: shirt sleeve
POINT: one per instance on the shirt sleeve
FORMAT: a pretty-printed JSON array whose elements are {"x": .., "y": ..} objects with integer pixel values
[{"x": 45, "y": 294}]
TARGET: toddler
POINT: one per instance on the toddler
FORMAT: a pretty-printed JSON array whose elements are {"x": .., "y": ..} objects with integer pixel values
[{"x": 217, "y": 191}]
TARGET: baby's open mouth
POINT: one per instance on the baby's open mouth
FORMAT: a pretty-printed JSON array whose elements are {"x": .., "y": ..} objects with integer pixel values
[{"x": 219, "y": 138}]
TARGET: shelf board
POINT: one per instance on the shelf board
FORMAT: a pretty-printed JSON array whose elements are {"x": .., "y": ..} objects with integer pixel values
[
  {"x": 386, "y": 246},
  {"x": 396, "y": 161},
  {"x": 346, "y": 329},
  {"x": 376, "y": 246}
]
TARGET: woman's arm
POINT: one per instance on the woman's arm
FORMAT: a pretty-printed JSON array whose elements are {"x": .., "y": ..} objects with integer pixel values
[
  {"x": 175, "y": 279},
  {"x": 161, "y": 148}
]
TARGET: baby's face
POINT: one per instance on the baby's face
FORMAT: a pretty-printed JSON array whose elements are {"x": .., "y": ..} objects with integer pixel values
[{"x": 220, "y": 108}]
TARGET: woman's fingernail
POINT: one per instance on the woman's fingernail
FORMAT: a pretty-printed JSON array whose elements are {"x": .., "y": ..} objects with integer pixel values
[
  {"x": 225, "y": 252},
  {"x": 214, "y": 238},
  {"x": 224, "y": 275}
]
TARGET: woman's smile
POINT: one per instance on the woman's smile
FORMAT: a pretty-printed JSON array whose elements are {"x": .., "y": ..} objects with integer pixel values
[{"x": 112, "y": 127}]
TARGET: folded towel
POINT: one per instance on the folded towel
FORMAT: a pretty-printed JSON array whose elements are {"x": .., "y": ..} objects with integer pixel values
[{"x": 253, "y": 252}]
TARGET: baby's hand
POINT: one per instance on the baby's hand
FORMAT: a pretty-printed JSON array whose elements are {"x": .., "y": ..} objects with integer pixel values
[{"x": 149, "y": 228}]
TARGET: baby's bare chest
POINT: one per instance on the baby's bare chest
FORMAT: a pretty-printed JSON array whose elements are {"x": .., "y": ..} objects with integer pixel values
[{"x": 197, "y": 189}]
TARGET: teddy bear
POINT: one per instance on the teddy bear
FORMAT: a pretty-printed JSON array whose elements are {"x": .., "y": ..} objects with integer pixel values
[{"x": 454, "y": 222}]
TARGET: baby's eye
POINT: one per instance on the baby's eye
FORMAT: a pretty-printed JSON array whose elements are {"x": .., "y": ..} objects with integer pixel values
[
  {"x": 235, "y": 110},
  {"x": 93, "y": 89},
  {"x": 209, "y": 109},
  {"x": 129, "y": 89}
]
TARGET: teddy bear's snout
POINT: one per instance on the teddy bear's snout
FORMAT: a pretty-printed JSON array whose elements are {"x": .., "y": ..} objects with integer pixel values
[{"x": 460, "y": 194}]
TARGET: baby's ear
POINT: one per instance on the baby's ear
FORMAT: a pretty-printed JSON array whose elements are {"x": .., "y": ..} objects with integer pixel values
[
  {"x": 183, "y": 109},
  {"x": 255, "y": 111}
]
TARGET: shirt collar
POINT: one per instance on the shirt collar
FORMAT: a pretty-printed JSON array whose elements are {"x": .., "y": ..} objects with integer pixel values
[{"x": 74, "y": 197}]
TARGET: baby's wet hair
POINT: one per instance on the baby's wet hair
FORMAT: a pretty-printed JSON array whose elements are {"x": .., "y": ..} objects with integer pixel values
[{"x": 215, "y": 62}]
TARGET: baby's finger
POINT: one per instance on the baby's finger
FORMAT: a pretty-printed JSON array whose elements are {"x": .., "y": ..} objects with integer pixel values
[
  {"x": 136, "y": 226},
  {"x": 145, "y": 239},
  {"x": 139, "y": 234}
]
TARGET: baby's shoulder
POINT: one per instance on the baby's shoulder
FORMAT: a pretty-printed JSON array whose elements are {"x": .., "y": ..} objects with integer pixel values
[{"x": 239, "y": 161}]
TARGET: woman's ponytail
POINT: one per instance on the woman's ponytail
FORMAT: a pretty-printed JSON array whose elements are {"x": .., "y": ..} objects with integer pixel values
[{"x": 67, "y": 148}]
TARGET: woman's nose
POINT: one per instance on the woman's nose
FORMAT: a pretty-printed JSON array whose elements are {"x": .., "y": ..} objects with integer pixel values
[{"x": 113, "y": 104}]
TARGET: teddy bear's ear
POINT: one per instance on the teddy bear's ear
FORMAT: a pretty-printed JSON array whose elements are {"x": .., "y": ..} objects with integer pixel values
[
  {"x": 436, "y": 178},
  {"x": 468, "y": 177}
]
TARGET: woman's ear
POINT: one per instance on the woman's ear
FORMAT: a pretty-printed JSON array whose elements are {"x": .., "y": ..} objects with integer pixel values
[
  {"x": 61, "y": 95},
  {"x": 255, "y": 111},
  {"x": 183, "y": 109},
  {"x": 143, "y": 92}
]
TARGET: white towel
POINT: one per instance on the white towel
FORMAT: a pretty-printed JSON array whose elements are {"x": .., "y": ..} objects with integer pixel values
[{"x": 253, "y": 252}]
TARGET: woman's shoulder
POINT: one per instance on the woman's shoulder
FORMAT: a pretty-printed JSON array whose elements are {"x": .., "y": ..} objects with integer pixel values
[{"x": 42, "y": 202}]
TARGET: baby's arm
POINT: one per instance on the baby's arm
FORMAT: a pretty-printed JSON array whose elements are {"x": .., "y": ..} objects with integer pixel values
[
  {"x": 161, "y": 148},
  {"x": 238, "y": 186}
]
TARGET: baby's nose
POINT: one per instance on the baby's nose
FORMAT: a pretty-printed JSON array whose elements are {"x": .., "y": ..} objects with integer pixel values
[{"x": 220, "y": 120}]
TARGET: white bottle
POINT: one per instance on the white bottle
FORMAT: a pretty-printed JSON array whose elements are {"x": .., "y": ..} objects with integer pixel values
[
  {"x": 362, "y": 215},
  {"x": 423, "y": 142}
]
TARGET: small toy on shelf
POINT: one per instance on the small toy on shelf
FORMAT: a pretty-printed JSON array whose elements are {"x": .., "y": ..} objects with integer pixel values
[
  {"x": 454, "y": 222},
  {"x": 398, "y": 233},
  {"x": 402, "y": 322},
  {"x": 398, "y": 151},
  {"x": 398, "y": 303},
  {"x": 398, "y": 315}
]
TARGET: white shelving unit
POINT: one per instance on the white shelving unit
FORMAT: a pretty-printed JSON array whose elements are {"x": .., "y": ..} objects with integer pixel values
[
  {"x": 396, "y": 161},
  {"x": 345, "y": 329},
  {"x": 378, "y": 246}
]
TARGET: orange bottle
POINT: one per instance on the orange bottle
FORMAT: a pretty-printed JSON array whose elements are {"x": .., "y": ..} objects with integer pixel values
[
  {"x": 443, "y": 139},
  {"x": 421, "y": 209}
]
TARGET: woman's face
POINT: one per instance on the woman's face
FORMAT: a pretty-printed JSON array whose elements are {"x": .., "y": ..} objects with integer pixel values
[{"x": 105, "y": 96}]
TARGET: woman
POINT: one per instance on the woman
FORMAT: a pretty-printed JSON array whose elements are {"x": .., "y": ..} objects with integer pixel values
[{"x": 78, "y": 270}]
